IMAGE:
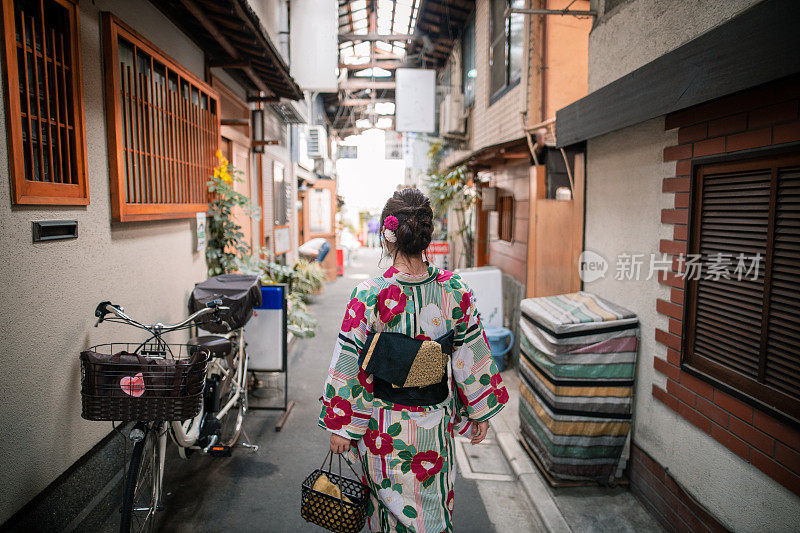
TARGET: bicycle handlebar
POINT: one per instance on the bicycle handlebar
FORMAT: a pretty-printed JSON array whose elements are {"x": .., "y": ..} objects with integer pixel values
[{"x": 106, "y": 308}]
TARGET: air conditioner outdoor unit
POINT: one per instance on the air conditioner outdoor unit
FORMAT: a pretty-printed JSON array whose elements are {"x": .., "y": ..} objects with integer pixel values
[
  {"x": 451, "y": 114},
  {"x": 317, "y": 142}
]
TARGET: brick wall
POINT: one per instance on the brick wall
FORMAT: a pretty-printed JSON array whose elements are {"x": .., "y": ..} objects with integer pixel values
[
  {"x": 763, "y": 116},
  {"x": 665, "y": 498}
]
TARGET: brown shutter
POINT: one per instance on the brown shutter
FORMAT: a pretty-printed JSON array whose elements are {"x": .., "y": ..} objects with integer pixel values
[
  {"x": 733, "y": 220},
  {"x": 783, "y": 339},
  {"x": 744, "y": 333}
]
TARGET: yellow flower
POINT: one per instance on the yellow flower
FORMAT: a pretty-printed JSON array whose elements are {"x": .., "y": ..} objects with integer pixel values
[{"x": 219, "y": 155}]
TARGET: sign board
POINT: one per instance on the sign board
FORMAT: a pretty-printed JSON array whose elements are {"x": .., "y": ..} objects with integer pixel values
[
  {"x": 265, "y": 331},
  {"x": 319, "y": 211},
  {"x": 282, "y": 237},
  {"x": 438, "y": 247},
  {"x": 393, "y": 145},
  {"x": 487, "y": 286},
  {"x": 314, "y": 44},
  {"x": 345, "y": 151},
  {"x": 200, "y": 233},
  {"x": 415, "y": 100}
]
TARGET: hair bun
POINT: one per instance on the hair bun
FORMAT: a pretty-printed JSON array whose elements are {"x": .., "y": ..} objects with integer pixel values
[{"x": 412, "y": 209}]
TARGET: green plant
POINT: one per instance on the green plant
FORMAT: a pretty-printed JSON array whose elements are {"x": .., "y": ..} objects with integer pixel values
[
  {"x": 225, "y": 247},
  {"x": 309, "y": 277},
  {"x": 454, "y": 191},
  {"x": 301, "y": 279}
]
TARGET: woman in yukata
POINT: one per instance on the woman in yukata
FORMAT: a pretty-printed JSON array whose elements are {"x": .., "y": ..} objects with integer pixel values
[{"x": 411, "y": 366}]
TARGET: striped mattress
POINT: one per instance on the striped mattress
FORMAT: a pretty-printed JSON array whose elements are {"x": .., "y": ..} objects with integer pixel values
[{"x": 577, "y": 364}]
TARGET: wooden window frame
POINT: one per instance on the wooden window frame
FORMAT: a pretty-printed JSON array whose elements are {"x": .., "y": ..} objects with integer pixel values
[
  {"x": 501, "y": 227},
  {"x": 30, "y": 192},
  {"x": 743, "y": 387},
  {"x": 509, "y": 82},
  {"x": 121, "y": 209},
  {"x": 468, "y": 51}
]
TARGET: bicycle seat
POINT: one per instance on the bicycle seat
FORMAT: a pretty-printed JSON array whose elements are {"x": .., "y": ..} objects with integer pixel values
[{"x": 217, "y": 346}]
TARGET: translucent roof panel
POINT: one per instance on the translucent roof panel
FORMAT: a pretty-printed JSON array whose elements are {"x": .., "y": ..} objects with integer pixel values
[{"x": 390, "y": 17}]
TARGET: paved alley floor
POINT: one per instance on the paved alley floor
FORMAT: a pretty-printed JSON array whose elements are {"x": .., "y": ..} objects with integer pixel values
[{"x": 261, "y": 491}]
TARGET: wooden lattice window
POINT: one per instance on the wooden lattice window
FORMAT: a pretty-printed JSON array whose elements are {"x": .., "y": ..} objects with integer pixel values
[
  {"x": 44, "y": 102},
  {"x": 163, "y": 126},
  {"x": 742, "y": 320},
  {"x": 505, "y": 218}
]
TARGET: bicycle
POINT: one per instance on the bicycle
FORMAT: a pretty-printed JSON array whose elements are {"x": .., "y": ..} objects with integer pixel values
[{"x": 214, "y": 426}]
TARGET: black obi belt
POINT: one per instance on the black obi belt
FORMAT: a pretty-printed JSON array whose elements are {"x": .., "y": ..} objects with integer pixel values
[{"x": 405, "y": 370}]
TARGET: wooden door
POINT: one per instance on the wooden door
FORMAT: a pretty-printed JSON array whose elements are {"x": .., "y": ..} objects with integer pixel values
[
  {"x": 319, "y": 212},
  {"x": 556, "y": 237}
]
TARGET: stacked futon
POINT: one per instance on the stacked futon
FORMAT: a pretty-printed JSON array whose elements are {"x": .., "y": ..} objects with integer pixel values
[{"x": 577, "y": 364}]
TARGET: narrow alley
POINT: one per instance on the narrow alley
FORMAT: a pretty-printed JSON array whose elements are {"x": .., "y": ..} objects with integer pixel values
[
  {"x": 261, "y": 491},
  {"x": 579, "y": 217}
]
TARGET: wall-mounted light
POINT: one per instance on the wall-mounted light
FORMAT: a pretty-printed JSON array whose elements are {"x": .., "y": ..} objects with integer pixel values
[{"x": 257, "y": 125}]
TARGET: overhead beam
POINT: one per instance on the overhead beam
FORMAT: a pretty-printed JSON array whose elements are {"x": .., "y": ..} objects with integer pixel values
[
  {"x": 223, "y": 42},
  {"x": 228, "y": 63},
  {"x": 388, "y": 65},
  {"x": 358, "y": 102},
  {"x": 573, "y": 12},
  {"x": 266, "y": 99},
  {"x": 356, "y": 85},
  {"x": 373, "y": 37}
]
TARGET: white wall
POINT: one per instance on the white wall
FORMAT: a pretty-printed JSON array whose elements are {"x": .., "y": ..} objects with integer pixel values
[
  {"x": 623, "y": 209},
  {"x": 50, "y": 290},
  {"x": 637, "y": 32}
]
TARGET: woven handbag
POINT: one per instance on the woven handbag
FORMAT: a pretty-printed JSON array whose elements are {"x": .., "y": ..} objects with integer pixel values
[{"x": 337, "y": 503}]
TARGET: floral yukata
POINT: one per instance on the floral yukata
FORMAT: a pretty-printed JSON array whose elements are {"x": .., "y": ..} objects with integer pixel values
[{"x": 407, "y": 453}]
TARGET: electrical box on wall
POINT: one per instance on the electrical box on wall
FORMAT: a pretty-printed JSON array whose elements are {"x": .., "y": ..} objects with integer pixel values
[{"x": 489, "y": 198}]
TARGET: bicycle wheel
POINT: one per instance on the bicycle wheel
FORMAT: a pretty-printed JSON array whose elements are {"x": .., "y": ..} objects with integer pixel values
[
  {"x": 142, "y": 484},
  {"x": 231, "y": 423}
]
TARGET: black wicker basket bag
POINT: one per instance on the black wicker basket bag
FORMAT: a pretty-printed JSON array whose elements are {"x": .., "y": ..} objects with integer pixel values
[
  {"x": 344, "y": 512},
  {"x": 142, "y": 382}
]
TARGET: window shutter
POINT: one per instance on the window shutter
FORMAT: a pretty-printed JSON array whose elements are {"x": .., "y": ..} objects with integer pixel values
[
  {"x": 742, "y": 333},
  {"x": 783, "y": 342},
  {"x": 733, "y": 220}
]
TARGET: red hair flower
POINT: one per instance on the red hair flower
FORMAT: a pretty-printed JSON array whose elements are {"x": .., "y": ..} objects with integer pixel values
[{"x": 391, "y": 223}]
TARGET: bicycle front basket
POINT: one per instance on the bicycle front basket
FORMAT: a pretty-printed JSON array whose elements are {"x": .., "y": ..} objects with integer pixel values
[{"x": 134, "y": 381}]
